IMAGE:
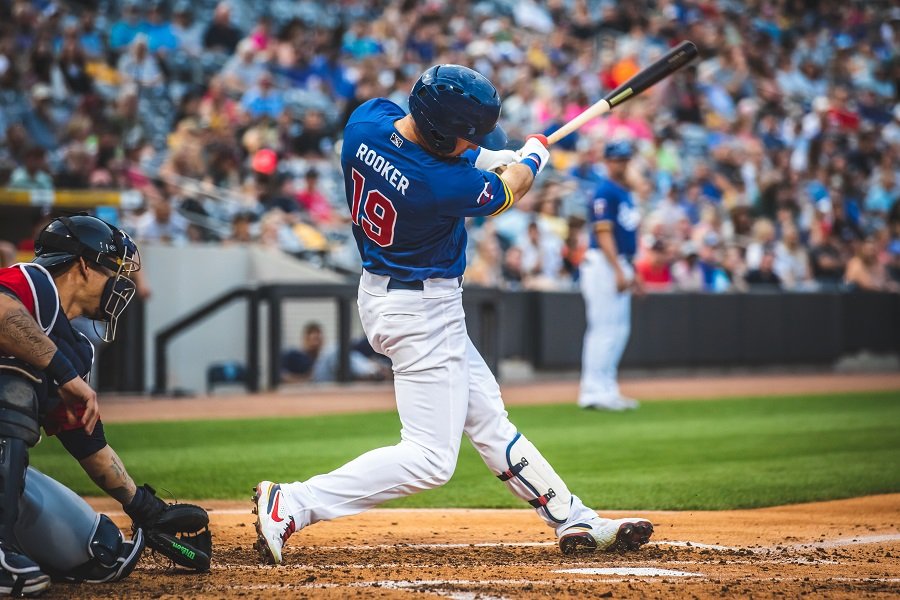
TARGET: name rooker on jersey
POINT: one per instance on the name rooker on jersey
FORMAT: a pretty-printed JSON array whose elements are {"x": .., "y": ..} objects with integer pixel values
[{"x": 381, "y": 166}]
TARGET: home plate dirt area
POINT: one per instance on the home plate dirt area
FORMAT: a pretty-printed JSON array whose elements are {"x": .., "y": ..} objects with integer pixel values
[{"x": 846, "y": 548}]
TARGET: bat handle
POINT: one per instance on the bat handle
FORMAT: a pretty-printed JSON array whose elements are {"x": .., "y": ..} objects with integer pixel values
[{"x": 592, "y": 112}]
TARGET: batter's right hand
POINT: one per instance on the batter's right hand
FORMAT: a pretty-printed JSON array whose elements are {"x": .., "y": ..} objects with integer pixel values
[
  {"x": 78, "y": 396},
  {"x": 622, "y": 282},
  {"x": 535, "y": 152}
]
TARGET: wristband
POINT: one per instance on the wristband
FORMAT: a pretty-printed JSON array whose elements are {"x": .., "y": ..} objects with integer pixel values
[
  {"x": 533, "y": 162},
  {"x": 61, "y": 369}
]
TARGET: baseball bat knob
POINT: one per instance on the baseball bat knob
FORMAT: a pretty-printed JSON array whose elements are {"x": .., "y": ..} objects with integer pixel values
[{"x": 539, "y": 137}]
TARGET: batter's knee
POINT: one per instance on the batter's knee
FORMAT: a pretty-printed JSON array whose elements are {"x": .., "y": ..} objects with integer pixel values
[{"x": 438, "y": 465}]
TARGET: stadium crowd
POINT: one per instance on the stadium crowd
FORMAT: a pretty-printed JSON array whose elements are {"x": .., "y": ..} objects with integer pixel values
[{"x": 772, "y": 162}]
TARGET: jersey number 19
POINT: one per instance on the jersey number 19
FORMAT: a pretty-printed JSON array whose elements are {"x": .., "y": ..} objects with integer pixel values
[{"x": 378, "y": 216}]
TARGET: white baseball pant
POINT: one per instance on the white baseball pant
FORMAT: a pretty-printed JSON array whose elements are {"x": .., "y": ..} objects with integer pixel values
[
  {"x": 443, "y": 389},
  {"x": 608, "y": 314}
]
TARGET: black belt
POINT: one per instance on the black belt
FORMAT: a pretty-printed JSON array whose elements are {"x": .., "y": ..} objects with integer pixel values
[{"x": 398, "y": 284}]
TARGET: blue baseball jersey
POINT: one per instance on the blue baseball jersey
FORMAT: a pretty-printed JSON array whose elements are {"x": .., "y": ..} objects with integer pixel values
[
  {"x": 613, "y": 203},
  {"x": 408, "y": 206}
]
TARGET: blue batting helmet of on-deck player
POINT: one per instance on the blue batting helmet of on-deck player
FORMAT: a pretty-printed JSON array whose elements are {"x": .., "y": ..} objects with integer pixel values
[
  {"x": 449, "y": 102},
  {"x": 618, "y": 150}
]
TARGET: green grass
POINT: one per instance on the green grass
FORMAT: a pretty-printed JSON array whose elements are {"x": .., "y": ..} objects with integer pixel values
[{"x": 667, "y": 455}]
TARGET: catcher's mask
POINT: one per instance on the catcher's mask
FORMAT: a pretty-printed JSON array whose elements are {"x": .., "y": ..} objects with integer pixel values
[{"x": 65, "y": 239}]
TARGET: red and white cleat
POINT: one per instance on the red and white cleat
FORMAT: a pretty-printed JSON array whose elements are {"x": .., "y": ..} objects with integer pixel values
[{"x": 273, "y": 525}]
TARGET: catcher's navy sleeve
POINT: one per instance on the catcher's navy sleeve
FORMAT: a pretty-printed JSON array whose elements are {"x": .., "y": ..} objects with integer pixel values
[{"x": 81, "y": 445}]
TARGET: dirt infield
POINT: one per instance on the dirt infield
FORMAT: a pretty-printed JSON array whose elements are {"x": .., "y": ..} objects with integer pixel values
[
  {"x": 848, "y": 548},
  {"x": 316, "y": 400},
  {"x": 841, "y": 549}
]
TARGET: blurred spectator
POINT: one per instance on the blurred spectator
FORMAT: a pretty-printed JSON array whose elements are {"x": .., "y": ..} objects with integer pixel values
[
  {"x": 864, "y": 271},
  {"x": 315, "y": 362},
  {"x": 763, "y": 241},
  {"x": 792, "y": 260},
  {"x": 187, "y": 32},
  {"x": 893, "y": 262},
  {"x": 654, "y": 269},
  {"x": 32, "y": 175},
  {"x": 241, "y": 228},
  {"x": 687, "y": 274},
  {"x": 161, "y": 36},
  {"x": 263, "y": 99},
  {"x": 312, "y": 133},
  {"x": 484, "y": 269},
  {"x": 41, "y": 122},
  {"x": 127, "y": 28},
  {"x": 764, "y": 276},
  {"x": 828, "y": 262},
  {"x": 242, "y": 71},
  {"x": 221, "y": 35},
  {"x": 138, "y": 66},
  {"x": 313, "y": 201},
  {"x": 217, "y": 111},
  {"x": 76, "y": 170},
  {"x": 541, "y": 259},
  {"x": 161, "y": 223}
]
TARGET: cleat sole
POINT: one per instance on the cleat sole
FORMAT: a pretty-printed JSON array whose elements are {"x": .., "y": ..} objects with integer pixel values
[
  {"x": 632, "y": 536},
  {"x": 577, "y": 543}
]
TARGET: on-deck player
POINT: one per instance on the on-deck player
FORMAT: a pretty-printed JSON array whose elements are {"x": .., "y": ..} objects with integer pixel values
[
  {"x": 411, "y": 180},
  {"x": 607, "y": 276}
]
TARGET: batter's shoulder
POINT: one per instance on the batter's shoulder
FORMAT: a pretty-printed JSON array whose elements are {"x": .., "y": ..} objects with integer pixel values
[{"x": 376, "y": 110}]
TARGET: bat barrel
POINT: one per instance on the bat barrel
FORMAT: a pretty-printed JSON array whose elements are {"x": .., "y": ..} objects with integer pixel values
[{"x": 673, "y": 60}]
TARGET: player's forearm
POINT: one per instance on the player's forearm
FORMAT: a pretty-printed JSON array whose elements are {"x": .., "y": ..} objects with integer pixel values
[
  {"x": 105, "y": 468},
  {"x": 20, "y": 335},
  {"x": 519, "y": 179},
  {"x": 608, "y": 246}
]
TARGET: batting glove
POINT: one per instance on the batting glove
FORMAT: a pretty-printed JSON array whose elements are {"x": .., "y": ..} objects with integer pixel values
[
  {"x": 488, "y": 160},
  {"x": 534, "y": 155}
]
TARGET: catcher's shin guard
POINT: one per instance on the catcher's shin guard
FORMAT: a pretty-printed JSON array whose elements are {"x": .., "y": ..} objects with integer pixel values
[
  {"x": 112, "y": 556},
  {"x": 531, "y": 478},
  {"x": 70, "y": 541}
]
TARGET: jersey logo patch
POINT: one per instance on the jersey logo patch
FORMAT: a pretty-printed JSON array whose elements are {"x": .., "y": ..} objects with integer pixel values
[
  {"x": 486, "y": 195},
  {"x": 396, "y": 140}
]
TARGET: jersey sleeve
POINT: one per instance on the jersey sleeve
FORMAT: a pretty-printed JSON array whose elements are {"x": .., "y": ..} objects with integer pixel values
[
  {"x": 604, "y": 205},
  {"x": 14, "y": 283},
  {"x": 470, "y": 192}
]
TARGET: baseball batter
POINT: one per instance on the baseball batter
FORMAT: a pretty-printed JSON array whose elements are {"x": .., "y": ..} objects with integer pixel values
[
  {"x": 411, "y": 180},
  {"x": 607, "y": 277}
]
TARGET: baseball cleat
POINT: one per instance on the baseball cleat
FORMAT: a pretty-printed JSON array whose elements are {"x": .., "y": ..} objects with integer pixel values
[
  {"x": 273, "y": 525},
  {"x": 605, "y": 535}
]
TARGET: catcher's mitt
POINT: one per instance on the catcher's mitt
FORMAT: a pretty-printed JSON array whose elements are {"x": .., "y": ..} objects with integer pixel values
[{"x": 180, "y": 532}]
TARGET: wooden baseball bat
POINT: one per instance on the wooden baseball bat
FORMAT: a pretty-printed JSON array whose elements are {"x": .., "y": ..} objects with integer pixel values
[{"x": 675, "y": 59}]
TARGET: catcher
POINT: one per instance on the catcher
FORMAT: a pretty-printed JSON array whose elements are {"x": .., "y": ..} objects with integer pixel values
[{"x": 82, "y": 267}]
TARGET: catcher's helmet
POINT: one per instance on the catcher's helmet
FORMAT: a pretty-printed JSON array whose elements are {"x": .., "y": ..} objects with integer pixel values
[
  {"x": 65, "y": 239},
  {"x": 450, "y": 102}
]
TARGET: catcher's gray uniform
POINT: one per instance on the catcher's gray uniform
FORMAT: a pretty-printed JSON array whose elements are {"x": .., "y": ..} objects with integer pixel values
[{"x": 63, "y": 534}]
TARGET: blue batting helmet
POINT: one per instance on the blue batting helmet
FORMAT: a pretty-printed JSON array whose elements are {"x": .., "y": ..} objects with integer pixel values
[
  {"x": 450, "y": 102},
  {"x": 618, "y": 150}
]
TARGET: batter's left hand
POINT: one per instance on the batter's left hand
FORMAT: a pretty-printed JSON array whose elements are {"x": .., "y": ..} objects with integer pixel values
[{"x": 495, "y": 160}]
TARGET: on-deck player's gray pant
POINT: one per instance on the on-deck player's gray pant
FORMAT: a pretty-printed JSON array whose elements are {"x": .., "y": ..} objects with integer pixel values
[{"x": 608, "y": 314}]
